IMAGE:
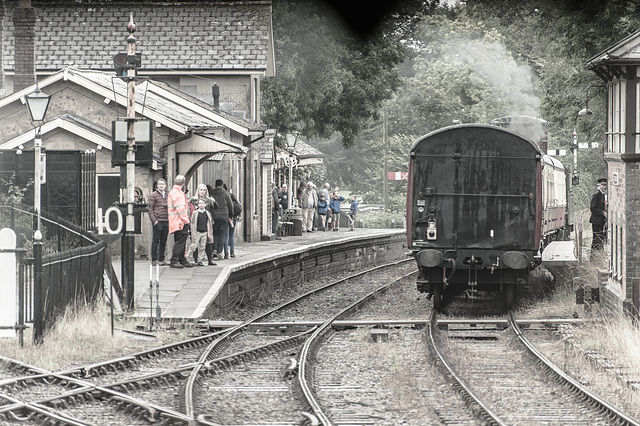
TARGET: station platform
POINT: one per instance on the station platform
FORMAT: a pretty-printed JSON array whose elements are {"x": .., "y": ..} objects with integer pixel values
[{"x": 186, "y": 293}]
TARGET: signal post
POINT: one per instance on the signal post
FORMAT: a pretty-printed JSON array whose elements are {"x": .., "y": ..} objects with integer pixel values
[{"x": 128, "y": 239}]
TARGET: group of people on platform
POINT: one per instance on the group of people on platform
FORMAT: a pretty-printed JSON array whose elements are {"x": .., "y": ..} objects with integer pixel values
[
  {"x": 321, "y": 208},
  {"x": 208, "y": 219}
]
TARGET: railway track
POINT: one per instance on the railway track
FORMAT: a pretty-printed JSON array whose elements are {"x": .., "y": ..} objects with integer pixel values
[
  {"x": 508, "y": 381},
  {"x": 351, "y": 352},
  {"x": 118, "y": 390},
  {"x": 324, "y": 304}
]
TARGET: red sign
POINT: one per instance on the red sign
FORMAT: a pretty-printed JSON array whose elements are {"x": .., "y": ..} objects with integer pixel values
[{"x": 397, "y": 175}]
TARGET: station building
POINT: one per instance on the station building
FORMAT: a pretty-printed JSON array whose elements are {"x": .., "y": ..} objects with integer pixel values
[
  {"x": 201, "y": 66},
  {"x": 619, "y": 68}
]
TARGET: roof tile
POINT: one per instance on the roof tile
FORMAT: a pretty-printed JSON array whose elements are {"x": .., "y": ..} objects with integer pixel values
[{"x": 168, "y": 32}]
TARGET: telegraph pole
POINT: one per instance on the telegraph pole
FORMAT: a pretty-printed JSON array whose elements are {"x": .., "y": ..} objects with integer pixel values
[
  {"x": 128, "y": 240},
  {"x": 385, "y": 168}
]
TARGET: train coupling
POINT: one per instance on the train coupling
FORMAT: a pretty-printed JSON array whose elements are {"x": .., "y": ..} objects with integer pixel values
[{"x": 424, "y": 286}]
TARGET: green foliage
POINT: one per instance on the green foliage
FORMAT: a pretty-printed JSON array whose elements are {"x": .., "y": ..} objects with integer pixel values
[
  {"x": 379, "y": 219},
  {"x": 12, "y": 194},
  {"x": 329, "y": 80},
  {"x": 462, "y": 71}
]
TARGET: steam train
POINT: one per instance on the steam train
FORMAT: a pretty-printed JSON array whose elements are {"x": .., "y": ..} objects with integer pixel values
[{"x": 482, "y": 202}]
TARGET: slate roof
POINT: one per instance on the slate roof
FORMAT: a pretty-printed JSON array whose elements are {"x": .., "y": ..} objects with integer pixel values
[
  {"x": 171, "y": 35},
  {"x": 178, "y": 111},
  {"x": 161, "y": 105}
]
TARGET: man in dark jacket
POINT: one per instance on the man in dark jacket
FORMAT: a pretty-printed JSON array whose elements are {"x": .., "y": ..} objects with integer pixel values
[
  {"x": 222, "y": 216},
  {"x": 160, "y": 221},
  {"x": 598, "y": 218},
  {"x": 275, "y": 210}
]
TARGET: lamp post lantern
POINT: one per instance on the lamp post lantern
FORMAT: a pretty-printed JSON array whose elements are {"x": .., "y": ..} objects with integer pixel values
[{"x": 37, "y": 103}]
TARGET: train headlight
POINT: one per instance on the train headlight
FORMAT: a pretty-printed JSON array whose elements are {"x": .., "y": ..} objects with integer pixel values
[
  {"x": 515, "y": 260},
  {"x": 429, "y": 258},
  {"x": 432, "y": 232}
]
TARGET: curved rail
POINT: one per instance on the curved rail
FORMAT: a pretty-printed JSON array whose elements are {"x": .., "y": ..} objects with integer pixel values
[
  {"x": 617, "y": 416},
  {"x": 314, "y": 340},
  {"x": 483, "y": 410},
  {"x": 231, "y": 333}
]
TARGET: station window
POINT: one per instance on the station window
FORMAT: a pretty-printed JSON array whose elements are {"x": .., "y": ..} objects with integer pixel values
[{"x": 617, "y": 117}]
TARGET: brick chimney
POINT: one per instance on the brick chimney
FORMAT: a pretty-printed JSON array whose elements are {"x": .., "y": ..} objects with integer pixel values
[
  {"x": 24, "y": 23},
  {"x": 3, "y": 84}
]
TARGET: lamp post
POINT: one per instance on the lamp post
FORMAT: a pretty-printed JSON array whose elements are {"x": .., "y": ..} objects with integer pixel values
[
  {"x": 37, "y": 102},
  {"x": 291, "y": 161}
]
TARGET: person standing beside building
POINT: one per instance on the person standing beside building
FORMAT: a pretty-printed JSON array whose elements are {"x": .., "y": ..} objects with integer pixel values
[
  {"x": 222, "y": 216},
  {"x": 203, "y": 192},
  {"x": 230, "y": 235},
  {"x": 598, "y": 220},
  {"x": 299, "y": 192},
  {"x": 284, "y": 197},
  {"x": 308, "y": 203},
  {"x": 178, "y": 213},
  {"x": 160, "y": 222},
  {"x": 201, "y": 231},
  {"x": 275, "y": 210}
]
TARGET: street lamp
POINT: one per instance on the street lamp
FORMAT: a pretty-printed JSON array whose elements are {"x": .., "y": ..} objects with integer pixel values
[
  {"x": 586, "y": 110},
  {"x": 291, "y": 161},
  {"x": 38, "y": 103}
]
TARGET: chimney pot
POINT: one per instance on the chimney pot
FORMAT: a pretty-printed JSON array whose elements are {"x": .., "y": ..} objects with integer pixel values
[{"x": 215, "y": 91}]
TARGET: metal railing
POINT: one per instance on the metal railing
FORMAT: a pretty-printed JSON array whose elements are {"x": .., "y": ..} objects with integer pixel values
[{"x": 71, "y": 262}]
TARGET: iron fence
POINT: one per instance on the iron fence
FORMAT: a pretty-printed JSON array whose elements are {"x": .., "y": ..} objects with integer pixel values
[{"x": 73, "y": 263}]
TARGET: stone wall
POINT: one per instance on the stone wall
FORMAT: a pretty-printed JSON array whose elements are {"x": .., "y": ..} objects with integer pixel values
[{"x": 326, "y": 262}]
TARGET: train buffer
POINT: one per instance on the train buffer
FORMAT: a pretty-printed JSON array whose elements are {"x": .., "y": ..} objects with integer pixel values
[{"x": 559, "y": 253}]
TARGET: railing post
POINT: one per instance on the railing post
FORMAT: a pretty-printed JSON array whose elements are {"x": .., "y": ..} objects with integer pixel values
[
  {"x": 38, "y": 296},
  {"x": 8, "y": 283},
  {"x": 21, "y": 284}
]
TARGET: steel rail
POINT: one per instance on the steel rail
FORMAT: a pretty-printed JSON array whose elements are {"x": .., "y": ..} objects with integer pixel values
[
  {"x": 234, "y": 331},
  {"x": 313, "y": 342},
  {"x": 84, "y": 388},
  {"x": 485, "y": 411},
  {"x": 37, "y": 414},
  {"x": 617, "y": 416}
]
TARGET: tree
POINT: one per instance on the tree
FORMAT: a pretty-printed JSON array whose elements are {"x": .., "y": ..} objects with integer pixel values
[
  {"x": 328, "y": 79},
  {"x": 461, "y": 71}
]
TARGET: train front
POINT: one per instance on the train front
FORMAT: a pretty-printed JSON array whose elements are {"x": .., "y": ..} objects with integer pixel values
[{"x": 473, "y": 209}]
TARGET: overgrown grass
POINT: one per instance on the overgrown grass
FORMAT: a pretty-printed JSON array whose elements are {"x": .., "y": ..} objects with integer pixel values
[
  {"x": 82, "y": 336},
  {"x": 611, "y": 337}
]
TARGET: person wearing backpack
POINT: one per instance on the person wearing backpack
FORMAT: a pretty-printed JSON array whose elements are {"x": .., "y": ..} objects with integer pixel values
[
  {"x": 222, "y": 217},
  {"x": 229, "y": 237}
]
